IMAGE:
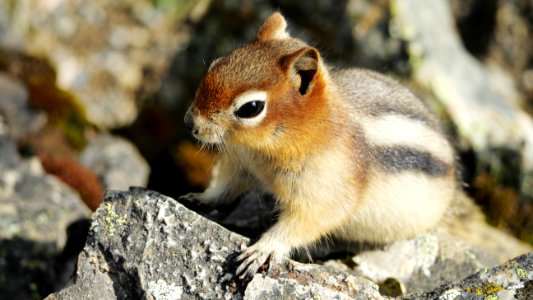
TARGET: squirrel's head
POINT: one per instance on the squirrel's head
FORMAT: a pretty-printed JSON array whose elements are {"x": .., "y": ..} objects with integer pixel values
[{"x": 261, "y": 94}]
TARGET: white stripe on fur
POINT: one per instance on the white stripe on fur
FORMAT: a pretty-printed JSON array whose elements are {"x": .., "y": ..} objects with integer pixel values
[{"x": 394, "y": 130}]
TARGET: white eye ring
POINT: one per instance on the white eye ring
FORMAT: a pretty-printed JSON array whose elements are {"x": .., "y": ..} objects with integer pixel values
[{"x": 246, "y": 98}]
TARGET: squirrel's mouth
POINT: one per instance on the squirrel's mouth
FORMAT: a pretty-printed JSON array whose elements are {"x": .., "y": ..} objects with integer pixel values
[
  {"x": 202, "y": 129},
  {"x": 209, "y": 134},
  {"x": 209, "y": 140}
]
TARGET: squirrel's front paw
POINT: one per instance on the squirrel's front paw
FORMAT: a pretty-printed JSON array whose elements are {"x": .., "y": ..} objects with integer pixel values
[
  {"x": 193, "y": 202},
  {"x": 257, "y": 255}
]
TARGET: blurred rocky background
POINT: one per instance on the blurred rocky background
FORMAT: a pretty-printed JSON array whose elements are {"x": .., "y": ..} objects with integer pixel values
[{"x": 92, "y": 97}]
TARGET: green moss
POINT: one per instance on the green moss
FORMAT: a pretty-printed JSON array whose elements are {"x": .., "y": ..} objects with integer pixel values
[
  {"x": 112, "y": 220},
  {"x": 486, "y": 290},
  {"x": 522, "y": 274}
]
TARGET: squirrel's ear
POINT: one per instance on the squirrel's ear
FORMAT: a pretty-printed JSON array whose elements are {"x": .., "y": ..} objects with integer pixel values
[
  {"x": 301, "y": 67},
  {"x": 274, "y": 28}
]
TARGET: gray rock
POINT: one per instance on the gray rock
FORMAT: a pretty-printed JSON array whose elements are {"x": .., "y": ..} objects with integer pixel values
[
  {"x": 484, "y": 107},
  {"x": 310, "y": 281},
  {"x": 422, "y": 263},
  {"x": 116, "y": 162},
  {"x": 19, "y": 117},
  {"x": 511, "y": 280},
  {"x": 100, "y": 287},
  {"x": 34, "y": 205},
  {"x": 35, "y": 211},
  {"x": 102, "y": 50},
  {"x": 145, "y": 245},
  {"x": 148, "y": 246}
]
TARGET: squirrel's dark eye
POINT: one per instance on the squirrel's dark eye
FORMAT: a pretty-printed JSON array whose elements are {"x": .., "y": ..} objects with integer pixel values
[{"x": 250, "y": 109}]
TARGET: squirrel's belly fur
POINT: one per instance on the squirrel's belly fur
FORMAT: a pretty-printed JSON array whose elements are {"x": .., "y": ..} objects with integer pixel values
[{"x": 347, "y": 153}]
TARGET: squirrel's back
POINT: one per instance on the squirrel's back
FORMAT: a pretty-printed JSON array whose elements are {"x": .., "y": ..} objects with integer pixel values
[
  {"x": 374, "y": 94},
  {"x": 410, "y": 172}
]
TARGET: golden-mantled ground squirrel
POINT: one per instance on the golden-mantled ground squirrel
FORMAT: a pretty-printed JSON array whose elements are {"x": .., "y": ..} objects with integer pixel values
[{"x": 347, "y": 153}]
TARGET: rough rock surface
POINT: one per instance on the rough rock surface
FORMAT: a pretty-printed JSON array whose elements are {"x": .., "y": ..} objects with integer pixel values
[
  {"x": 422, "y": 263},
  {"x": 145, "y": 245},
  {"x": 35, "y": 211},
  {"x": 116, "y": 161},
  {"x": 29, "y": 199},
  {"x": 105, "y": 52},
  {"x": 308, "y": 281},
  {"x": 511, "y": 280}
]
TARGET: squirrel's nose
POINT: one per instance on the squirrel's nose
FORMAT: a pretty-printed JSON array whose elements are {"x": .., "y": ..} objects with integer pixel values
[{"x": 189, "y": 123}]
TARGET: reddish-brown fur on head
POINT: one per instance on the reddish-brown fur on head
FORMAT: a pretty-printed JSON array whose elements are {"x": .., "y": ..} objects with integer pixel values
[{"x": 288, "y": 70}]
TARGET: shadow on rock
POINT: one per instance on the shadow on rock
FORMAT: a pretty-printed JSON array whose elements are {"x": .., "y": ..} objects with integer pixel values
[{"x": 30, "y": 269}]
